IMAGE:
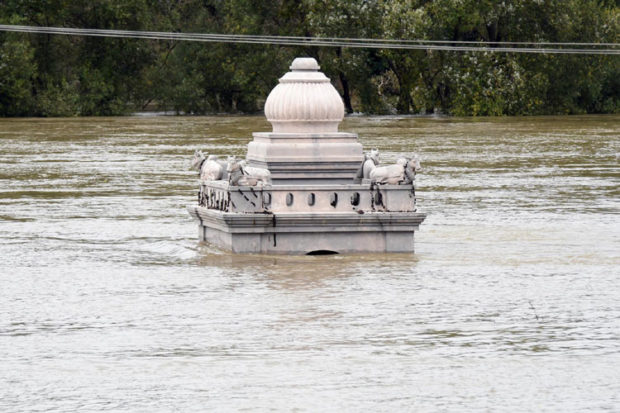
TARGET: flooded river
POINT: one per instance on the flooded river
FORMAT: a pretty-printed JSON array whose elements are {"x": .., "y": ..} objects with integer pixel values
[{"x": 510, "y": 303}]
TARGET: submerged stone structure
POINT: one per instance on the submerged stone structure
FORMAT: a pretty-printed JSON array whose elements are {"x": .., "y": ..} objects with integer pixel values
[{"x": 305, "y": 187}]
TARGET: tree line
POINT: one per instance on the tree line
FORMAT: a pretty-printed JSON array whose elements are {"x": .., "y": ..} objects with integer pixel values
[{"x": 52, "y": 75}]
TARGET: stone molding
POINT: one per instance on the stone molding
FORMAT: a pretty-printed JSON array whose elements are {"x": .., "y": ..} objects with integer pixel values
[{"x": 306, "y": 222}]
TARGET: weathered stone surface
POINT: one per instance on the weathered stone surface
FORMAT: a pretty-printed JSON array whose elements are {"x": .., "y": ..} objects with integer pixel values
[
  {"x": 303, "y": 233},
  {"x": 314, "y": 200}
]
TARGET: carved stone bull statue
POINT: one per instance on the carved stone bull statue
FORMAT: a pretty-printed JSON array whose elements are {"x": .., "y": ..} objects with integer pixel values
[
  {"x": 371, "y": 160},
  {"x": 389, "y": 174},
  {"x": 240, "y": 174},
  {"x": 211, "y": 168},
  {"x": 412, "y": 166},
  {"x": 402, "y": 172}
]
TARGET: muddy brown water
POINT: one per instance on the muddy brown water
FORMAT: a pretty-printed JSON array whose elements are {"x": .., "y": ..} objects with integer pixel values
[{"x": 510, "y": 303}]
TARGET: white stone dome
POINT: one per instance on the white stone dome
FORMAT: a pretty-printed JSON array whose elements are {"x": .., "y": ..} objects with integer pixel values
[{"x": 304, "y": 101}]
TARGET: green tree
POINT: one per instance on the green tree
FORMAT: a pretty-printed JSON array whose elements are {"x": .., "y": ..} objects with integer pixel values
[
  {"x": 52, "y": 75},
  {"x": 353, "y": 69},
  {"x": 17, "y": 69}
]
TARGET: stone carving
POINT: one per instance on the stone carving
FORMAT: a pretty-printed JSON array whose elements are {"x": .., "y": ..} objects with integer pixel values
[
  {"x": 371, "y": 160},
  {"x": 211, "y": 168},
  {"x": 307, "y": 187},
  {"x": 240, "y": 174},
  {"x": 402, "y": 172},
  {"x": 197, "y": 161},
  {"x": 389, "y": 174},
  {"x": 413, "y": 165}
]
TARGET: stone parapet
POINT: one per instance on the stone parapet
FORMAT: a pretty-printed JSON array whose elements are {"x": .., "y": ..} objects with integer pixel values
[{"x": 311, "y": 198}]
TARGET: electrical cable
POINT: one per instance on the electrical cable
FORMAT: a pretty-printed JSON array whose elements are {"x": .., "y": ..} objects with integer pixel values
[{"x": 445, "y": 45}]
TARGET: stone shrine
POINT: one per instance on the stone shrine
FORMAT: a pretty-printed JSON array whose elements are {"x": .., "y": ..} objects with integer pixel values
[{"x": 305, "y": 187}]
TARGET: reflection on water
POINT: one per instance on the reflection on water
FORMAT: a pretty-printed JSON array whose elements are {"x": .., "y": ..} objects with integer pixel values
[{"x": 509, "y": 303}]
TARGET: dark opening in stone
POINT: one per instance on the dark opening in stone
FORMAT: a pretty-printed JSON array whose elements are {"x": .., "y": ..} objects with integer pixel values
[
  {"x": 333, "y": 199},
  {"x": 311, "y": 199},
  {"x": 322, "y": 252}
]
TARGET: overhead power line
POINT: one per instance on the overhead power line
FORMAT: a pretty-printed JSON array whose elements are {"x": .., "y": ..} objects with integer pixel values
[{"x": 448, "y": 45}]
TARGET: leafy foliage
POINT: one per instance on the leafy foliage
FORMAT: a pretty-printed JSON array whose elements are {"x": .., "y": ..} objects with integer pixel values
[{"x": 46, "y": 75}]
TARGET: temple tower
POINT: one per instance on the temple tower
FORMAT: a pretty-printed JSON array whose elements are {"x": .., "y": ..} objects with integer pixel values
[{"x": 315, "y": 197}]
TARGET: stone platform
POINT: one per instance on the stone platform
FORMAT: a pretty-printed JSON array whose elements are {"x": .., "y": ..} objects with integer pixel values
[
  {"x": 303, "y": 233},
  {"x": 303, "y": 219}
]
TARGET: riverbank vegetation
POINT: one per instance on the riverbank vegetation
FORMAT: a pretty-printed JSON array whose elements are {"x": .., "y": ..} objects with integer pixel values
[{"x": 52, "y": 75}]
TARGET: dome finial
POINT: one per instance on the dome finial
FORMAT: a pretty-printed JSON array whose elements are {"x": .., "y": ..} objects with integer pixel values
[
  {"x": 304, "y": 101},
  {"x": 305, "y": 63}
]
